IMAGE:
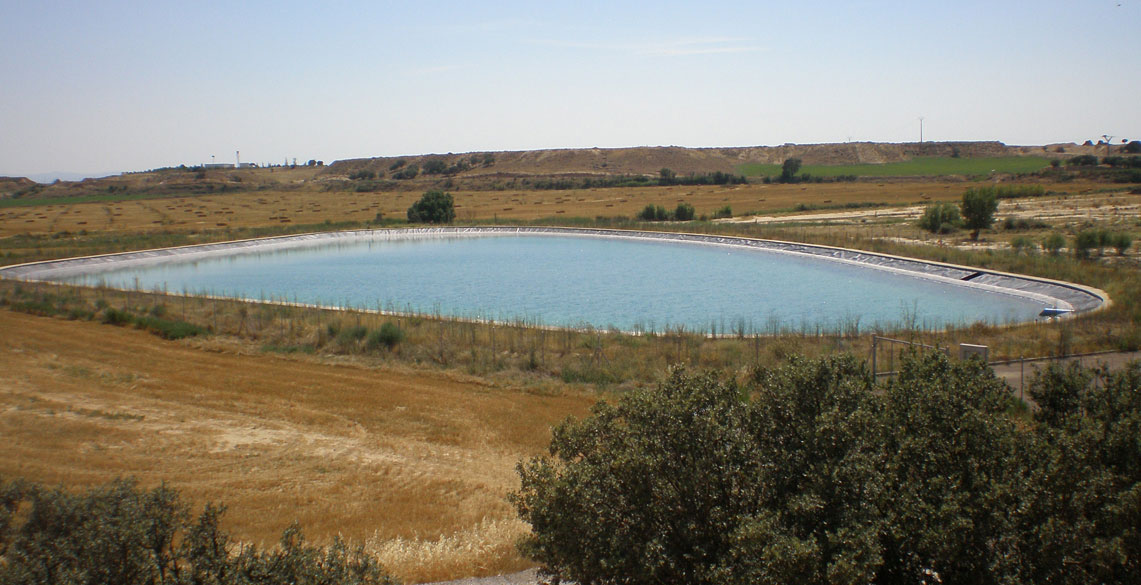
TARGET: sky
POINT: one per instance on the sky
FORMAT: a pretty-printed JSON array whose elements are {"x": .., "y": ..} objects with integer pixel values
[{"x": 101, "y": 87}]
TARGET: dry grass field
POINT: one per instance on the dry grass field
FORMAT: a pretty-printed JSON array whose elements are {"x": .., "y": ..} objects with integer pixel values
[
  {"x": 217, "y": 212},
  {"x": 414, "y": 464}
]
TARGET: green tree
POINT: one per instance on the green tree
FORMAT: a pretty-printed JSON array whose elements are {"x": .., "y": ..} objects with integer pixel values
[
  {"x": 978, "y": 208},
  {"x": 433, "y": 207},
  {"x": 812, "y": 475},
  {"x": 666, "y": 177},
  {"x": 940, "y": 218},
  {"x": 684, "y": 212},
  {"x": 788, "y": 170}
]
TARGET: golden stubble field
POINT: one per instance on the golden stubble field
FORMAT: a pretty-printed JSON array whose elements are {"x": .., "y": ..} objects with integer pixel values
[
  {"x": 311, "y": 206},
  {"x": 414, "y": 465}
]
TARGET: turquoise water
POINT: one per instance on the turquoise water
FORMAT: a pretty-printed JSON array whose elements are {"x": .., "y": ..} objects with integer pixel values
[{"x": 626, "y": 284}]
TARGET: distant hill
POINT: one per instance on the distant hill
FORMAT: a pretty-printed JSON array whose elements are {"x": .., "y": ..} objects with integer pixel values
[
  {"x": 484, "y": 170},
  {"x": 683, "y": 161},
  {"x": 12, "y": 185}
]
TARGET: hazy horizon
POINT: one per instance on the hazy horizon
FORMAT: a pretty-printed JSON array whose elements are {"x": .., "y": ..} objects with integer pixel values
[{"x": 103, "y": 88}]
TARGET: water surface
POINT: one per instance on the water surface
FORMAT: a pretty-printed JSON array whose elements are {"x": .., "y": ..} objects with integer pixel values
[{"x": 621, "y": 283}]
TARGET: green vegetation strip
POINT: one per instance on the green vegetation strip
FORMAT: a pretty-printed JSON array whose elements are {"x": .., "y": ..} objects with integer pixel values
[{"x": 918, "y": 167}]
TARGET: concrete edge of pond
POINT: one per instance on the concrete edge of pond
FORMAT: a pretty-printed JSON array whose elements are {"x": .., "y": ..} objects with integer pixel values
[{"x": 1058, "y": 294}]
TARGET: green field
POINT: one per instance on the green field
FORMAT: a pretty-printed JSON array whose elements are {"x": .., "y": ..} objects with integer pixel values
[{"x": 918, "y": 167}]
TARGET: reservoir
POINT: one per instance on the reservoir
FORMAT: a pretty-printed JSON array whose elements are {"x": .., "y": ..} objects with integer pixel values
[{"x": 632, "y": 281}]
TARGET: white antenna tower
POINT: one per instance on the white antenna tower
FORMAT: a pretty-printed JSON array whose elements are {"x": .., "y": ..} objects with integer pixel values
[
  {"x": 920, "y": 129},
  {"x": 237, "y": 159}
]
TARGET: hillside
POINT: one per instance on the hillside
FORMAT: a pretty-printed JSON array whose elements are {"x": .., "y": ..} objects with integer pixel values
[
  {"x": 495, "y": 170},
  {"x": 649, "y": 160}
]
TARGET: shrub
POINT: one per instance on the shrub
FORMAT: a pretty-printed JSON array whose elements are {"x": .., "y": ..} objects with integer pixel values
[
  {"x": 1022, "y": 244},
  {"x": 1084, "y": 242},
  {"x": 433, "y": 207},
  {"x": 389, "y": 335},
  {"x": 407, "y": 173},
  {"x": 653, "y": 212},
  {"x": 1012, "y": 223},
  {"x": 1121, "y": 242},
  {"x": 723, "y": 212},
  {"x": 120, "y": 534},
  {"x": 170, "y": 328},
  {"x": 940, "y": 218},
  {"x": 1053, "y": 243},
  {"x": 1082, "y": 160},
  {"x": 435, "y": 166},
  {"x": 350, "y": 335},
  {"x": 684, "y": 212},
  {"x": 113, "y": 316}
]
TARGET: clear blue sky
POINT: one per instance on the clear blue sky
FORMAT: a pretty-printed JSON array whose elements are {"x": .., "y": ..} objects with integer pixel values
[{"x": 113, "y": 86}]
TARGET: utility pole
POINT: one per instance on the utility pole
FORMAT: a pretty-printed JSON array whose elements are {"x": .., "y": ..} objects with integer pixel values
[{"x": 1108, "y": 139}]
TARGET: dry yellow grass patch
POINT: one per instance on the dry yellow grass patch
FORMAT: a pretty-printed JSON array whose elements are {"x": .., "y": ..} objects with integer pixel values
[
  {"x": 310, "y": 206},
  {"x": 415, "y": 464}
]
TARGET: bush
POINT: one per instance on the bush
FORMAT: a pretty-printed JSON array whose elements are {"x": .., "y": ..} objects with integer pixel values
[
  {"x": 435, "y": 166},
  {"x": 113, "y": 316},
  {"x": 1022, "y": 244},
  {"x": 1082, "y": 160},
  {"x": 1012, "y": 223},
  {"x": 1085, "y": 241},
  {"x": 1053, "y": 243},
  {"x": 723, "y": 212},
  {"x": 1121, "y": 242},
  {"x": 120, "y": 534},
  {"x": 653, "y": 212},
  {"x": 350, "y": 335},
  {"x": 389, "y": 336},
  {"x": 407, "y": 173},
  {"x": 684, "y": 212},
  {"x": 940, "y": 218},
  {"x": 433, "y": 207},
  {"x": 170, "y": 328}
]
